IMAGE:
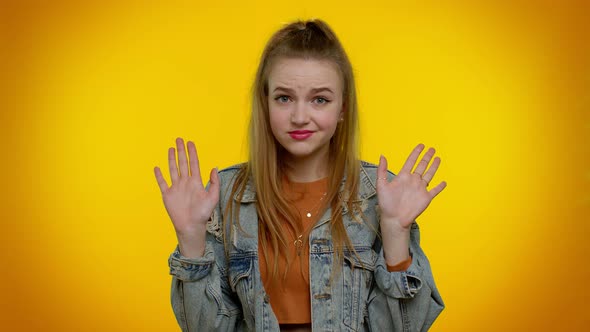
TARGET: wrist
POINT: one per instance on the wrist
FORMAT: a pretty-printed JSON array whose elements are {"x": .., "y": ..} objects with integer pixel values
[
  {"x": 191, "y": 232},
  {"x": 393, "y": 227},
  {"x": 192, "y": 244},
  {"x": 396, "y": 241}
]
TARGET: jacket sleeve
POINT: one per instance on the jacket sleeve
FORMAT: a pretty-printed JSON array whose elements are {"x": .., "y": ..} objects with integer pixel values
[
  {"x": 200, "y": 294},
  {"x": 407, "y": 300}
]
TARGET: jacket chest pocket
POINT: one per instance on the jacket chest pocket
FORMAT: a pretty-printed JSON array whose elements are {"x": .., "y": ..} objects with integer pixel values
[
  {"x": 240, "y": 279},
  {"x": 357, "y": 274}
]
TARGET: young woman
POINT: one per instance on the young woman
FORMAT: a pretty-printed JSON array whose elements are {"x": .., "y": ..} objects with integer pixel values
[{"x": 303, "y": 236}]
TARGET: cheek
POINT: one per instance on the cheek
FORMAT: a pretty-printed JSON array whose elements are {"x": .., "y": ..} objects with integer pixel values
[
  {"x": 329, "y": 121},
  {"x": 277, "y": 121}
]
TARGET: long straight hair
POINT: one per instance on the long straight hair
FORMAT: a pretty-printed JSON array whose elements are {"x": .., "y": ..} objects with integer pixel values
[{"x": 310, "y": 39}]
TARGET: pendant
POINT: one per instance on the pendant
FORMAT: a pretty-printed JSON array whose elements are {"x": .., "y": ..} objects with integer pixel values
[
  {"x": 298, "y": 244},
  {"x": 308, "y": 214}
]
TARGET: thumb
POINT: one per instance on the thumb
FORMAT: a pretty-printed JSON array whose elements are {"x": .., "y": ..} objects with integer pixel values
[
  {"x": 382, "y": 170},
  {"x": 214, "y": 187}
]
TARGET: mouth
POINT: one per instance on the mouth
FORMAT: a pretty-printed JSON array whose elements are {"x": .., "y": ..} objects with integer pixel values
[{"x": 300, "y": 134}]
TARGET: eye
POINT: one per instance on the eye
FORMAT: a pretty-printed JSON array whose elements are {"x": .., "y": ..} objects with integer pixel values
[
  {"x": 282, "y": 99},
  {"x": 321, "y": 100}
]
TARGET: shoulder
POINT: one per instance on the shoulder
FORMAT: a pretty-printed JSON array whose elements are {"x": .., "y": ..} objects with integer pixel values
[
  {"x": 368, "y": 165},
  {"x": 228, "y": 173},
  {"x": 227, "y": 181},
  {"x": 233, "y": 168},
  {"x": 370, "y": 170}
]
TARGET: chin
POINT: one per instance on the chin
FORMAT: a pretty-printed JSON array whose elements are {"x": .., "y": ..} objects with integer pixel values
[
  {"x": 302, "y": 151},
  {"x": 299, "y": 153}
]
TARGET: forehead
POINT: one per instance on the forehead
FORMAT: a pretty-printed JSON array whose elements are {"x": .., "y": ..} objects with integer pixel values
[{"x": 304, "y": 73}]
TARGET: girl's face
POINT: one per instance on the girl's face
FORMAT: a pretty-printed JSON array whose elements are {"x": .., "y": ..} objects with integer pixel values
[{"x": 305, "y": 105}]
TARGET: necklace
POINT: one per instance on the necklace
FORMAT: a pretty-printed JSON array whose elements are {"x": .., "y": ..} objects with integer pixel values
[
  {"x": 299, "y": 241},
  {"x": 308, "y": 214}
]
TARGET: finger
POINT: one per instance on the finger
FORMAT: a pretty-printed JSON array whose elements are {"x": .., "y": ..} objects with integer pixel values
[
  {"x": 182, "y": 162},
  {"x": 436, "y": 190},
  {"x": 172, "y": 166},
  {"x": 194, "y": 162},
  {"x": 161, "y": 181},
  {"x": 411, "y": 161},
  {"x": 382, "y": 170},
  {"x": 432, "y": 170},
  {"x": 424, "y": 162},
  {"x": 214, "y": 185}
]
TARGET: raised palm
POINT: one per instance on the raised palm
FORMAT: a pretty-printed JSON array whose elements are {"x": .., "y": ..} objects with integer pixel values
[
  {"x": 187, "y": 202},
  {"x": 404, "y": 198}
]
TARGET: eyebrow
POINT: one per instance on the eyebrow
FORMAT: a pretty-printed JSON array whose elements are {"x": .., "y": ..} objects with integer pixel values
[{"x": 314, "y": 90}]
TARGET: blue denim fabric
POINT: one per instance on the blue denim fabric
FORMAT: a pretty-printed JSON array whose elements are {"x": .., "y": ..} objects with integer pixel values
[{"x": 219, "y": 293}]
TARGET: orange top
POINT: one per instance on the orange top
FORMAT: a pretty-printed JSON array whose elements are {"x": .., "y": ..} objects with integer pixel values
[{"x": 290, "y": 297}]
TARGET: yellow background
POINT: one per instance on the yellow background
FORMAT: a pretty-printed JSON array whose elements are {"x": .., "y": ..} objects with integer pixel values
[{"x": 94, "y": 94}]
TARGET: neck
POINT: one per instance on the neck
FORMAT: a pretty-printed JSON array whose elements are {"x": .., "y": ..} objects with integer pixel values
[{"x": 307, "y": 169}]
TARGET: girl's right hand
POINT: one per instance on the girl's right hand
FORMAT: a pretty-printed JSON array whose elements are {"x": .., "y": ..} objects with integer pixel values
[{"x": 187, "y": 202}]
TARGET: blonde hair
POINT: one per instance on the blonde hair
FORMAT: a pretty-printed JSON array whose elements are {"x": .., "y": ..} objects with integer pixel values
[{"x": 310, "y": 39}]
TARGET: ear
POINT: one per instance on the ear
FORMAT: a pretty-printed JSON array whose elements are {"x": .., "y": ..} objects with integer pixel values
[{"x": 341, "y": 115}]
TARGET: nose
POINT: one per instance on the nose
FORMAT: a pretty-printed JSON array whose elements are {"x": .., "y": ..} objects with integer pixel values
[{"x": 299, "y": 114}]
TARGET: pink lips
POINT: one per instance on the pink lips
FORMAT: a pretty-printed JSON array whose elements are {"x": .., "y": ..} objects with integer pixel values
[{"x": 300, "y": 134}]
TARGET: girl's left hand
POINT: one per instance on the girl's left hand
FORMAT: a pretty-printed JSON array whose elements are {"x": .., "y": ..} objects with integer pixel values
[{"x": 406, "y": 197}]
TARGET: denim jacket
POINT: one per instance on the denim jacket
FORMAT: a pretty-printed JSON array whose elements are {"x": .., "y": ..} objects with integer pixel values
[{"x": 212, "y": 293}]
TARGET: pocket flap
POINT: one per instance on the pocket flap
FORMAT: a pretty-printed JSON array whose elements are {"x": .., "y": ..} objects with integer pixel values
[
  {"x": 239, "y": 268},
  {"x": 364, "y": 258}
]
